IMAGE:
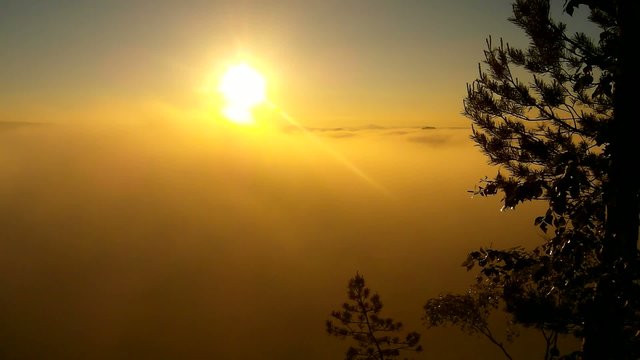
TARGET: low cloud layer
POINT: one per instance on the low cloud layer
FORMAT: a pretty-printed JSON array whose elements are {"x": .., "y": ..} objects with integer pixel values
[
  {"x": 423, "y": 135},
  {"x": 180, "y": 241}
]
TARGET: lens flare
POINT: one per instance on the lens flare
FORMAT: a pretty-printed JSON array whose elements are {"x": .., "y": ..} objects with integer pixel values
[{"x": 243, "y": 87}]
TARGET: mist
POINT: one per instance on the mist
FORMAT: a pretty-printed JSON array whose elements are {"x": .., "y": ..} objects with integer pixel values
[{"x": 170, "y": 240}]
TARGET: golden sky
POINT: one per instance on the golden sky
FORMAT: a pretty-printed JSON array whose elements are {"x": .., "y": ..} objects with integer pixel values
[
  {"x": 330, "y": 63},
  {"x": 137, "y": 223}
]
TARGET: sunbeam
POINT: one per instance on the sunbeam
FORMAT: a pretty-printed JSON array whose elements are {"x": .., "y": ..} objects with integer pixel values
[{"x": 331, "y": 151}]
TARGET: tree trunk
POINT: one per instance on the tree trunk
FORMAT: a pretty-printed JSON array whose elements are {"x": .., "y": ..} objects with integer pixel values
[{"x": 604, "y": 325}]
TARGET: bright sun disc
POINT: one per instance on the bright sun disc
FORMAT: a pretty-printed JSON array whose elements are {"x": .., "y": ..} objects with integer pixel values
[{"x": 242, "y": 87}]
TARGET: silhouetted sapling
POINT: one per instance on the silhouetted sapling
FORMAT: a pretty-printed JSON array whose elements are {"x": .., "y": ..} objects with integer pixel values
[{"x": 359, "y": 319}]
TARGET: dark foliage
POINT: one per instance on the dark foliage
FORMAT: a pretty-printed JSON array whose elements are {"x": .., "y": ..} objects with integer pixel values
[
  {"x": 376, "y": 337},
  {"x": 555, "y": 118},
  {"x": 470, "y": 312}
]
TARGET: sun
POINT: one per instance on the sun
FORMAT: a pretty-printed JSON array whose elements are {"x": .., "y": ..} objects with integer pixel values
[{"x": 242, "y": 88}]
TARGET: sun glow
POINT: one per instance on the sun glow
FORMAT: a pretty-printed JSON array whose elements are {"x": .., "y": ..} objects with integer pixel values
[{"x": 243, "y": 88}]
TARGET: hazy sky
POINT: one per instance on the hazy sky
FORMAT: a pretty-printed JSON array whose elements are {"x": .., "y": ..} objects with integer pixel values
[
  {"x": 330, "y": 62},
  {"x": 135, "y": 223}
]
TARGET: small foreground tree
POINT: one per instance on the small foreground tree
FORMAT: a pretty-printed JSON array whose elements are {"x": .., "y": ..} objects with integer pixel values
[{"x": 359, "y": 319}]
